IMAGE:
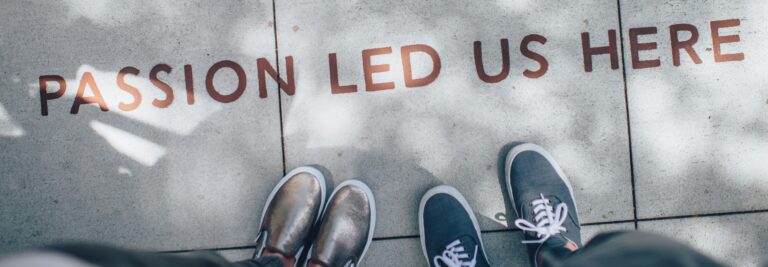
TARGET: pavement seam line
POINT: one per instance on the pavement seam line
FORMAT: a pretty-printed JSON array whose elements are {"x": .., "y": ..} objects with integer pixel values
[{"x": 626, "y": 109}]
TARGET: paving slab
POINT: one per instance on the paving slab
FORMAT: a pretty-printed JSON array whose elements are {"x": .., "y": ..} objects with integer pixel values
[
  {"x": 736, "y": 240},
  {"x": 181, "y": 177},
  {"x": 699, "y": 130},
  {"x": 403, "y": 141}
]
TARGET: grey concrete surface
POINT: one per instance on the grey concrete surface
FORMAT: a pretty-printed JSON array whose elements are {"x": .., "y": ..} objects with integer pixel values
[
  {"x": 453, "y": 131},
  {"x": 699, "y": 131},
  {"x": 736, "y": 240},
  {"x": 196, "y": 177},
  {"x": 183, "y": 177}
]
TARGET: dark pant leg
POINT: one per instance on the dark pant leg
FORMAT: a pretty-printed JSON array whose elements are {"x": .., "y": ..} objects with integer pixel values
[
  {"x": 101, "y": 255},
  {"x": 260, "y": 262},
  {"x": 631, "y": 249}
]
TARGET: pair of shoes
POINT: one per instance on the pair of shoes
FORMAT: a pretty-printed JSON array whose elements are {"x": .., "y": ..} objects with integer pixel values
[
  {"x": 542, "y": 199},
  {"x": 296, "y": 216}
]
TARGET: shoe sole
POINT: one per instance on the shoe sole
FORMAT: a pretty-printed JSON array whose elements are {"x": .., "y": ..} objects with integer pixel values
[
  {"x": 303, "y": 169},
  {"x": 516, "y": 150},
  {"x": 449, "y": 190},
  {"x": 372, "y": 225}
]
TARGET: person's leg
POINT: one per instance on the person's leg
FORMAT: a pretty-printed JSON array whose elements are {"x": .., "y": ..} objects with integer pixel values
[
  {"x": 93, "y": 255},
  {"x": 542, "y": 198},
  {"x": 265, "y": 261},
  {"x": 450, "y": 235},
  {"x": 35, "y": 258},
  {"x": 631, "y": 249},
  {"x": 103, "y": 255}
]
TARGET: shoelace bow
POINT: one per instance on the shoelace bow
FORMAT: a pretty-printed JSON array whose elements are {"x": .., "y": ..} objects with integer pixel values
[
  {"x": 549, "y": 221},
  {"x": 454, "y": 256}
]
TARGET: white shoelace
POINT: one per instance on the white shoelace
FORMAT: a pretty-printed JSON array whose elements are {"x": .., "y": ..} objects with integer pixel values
[
  {"x": 454, "y": 256},
  {"x": 549, "y": 221}
]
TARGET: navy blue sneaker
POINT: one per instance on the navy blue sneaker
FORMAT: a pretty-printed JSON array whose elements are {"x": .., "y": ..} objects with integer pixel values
[
  {"x": 543, "y": 199},
  {"x": 450, "y": 235}
]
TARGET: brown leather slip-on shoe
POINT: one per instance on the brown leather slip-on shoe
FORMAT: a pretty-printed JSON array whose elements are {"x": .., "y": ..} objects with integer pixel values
[
  {"x": 291, "y": 212},
  {"x": 347, "y": 227}
]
